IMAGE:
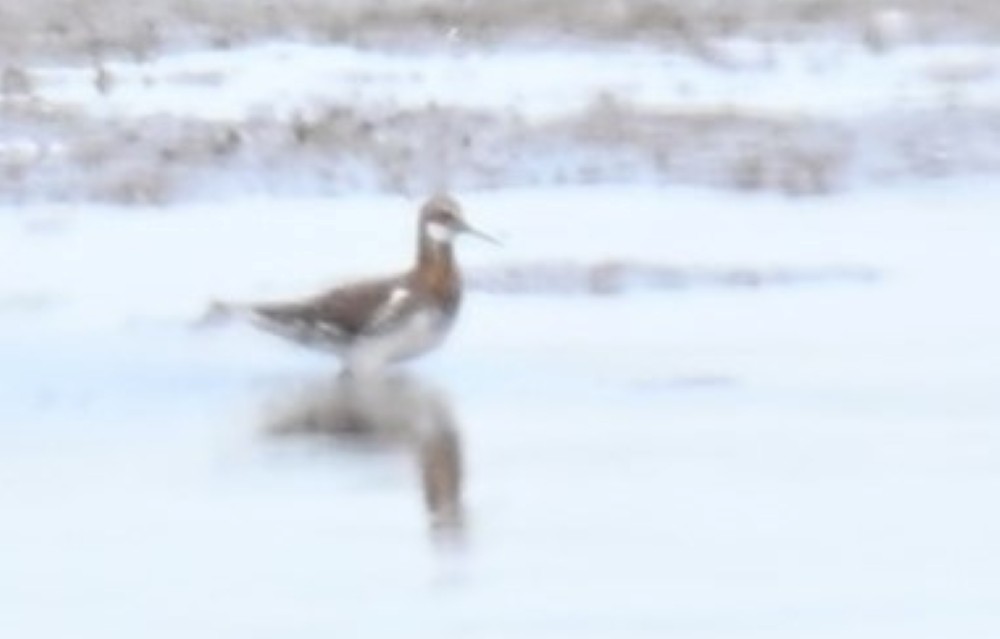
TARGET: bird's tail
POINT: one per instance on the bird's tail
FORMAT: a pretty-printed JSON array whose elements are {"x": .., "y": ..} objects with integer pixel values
[{"x": 217, "y": 313}]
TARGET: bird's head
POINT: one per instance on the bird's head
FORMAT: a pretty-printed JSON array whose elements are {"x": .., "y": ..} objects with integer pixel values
[{"x": 441, "y": 221}]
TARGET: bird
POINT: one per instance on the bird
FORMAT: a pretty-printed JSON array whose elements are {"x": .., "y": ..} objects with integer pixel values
[{"x": 372, "y": 323}]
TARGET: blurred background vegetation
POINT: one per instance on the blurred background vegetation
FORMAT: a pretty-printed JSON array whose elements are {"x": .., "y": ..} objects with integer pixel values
[
  {"x": 335, "y": 148},
  {"x": 140, "y": 27}
]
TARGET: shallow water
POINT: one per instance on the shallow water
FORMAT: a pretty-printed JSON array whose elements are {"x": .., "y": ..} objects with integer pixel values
[{"x": 816, "y": 459}]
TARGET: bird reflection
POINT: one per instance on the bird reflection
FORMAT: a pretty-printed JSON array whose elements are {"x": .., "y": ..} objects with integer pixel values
[{"x": 390, "y": 412}]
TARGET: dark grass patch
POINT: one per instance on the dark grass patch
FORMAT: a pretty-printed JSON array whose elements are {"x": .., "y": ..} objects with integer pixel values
[{"x": 613, "y": 277}]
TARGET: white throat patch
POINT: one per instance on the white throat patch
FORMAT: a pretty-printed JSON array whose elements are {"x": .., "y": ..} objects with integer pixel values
[{"x": 440, "y": 233}]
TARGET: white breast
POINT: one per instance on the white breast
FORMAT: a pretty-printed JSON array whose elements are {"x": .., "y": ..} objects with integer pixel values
[{"x": 418, "y": 334}]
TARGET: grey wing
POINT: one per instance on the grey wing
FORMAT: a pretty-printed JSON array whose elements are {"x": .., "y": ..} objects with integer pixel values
[
  {"x": 334, "y": 318},
  {"x": 299, "y": 322}
]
